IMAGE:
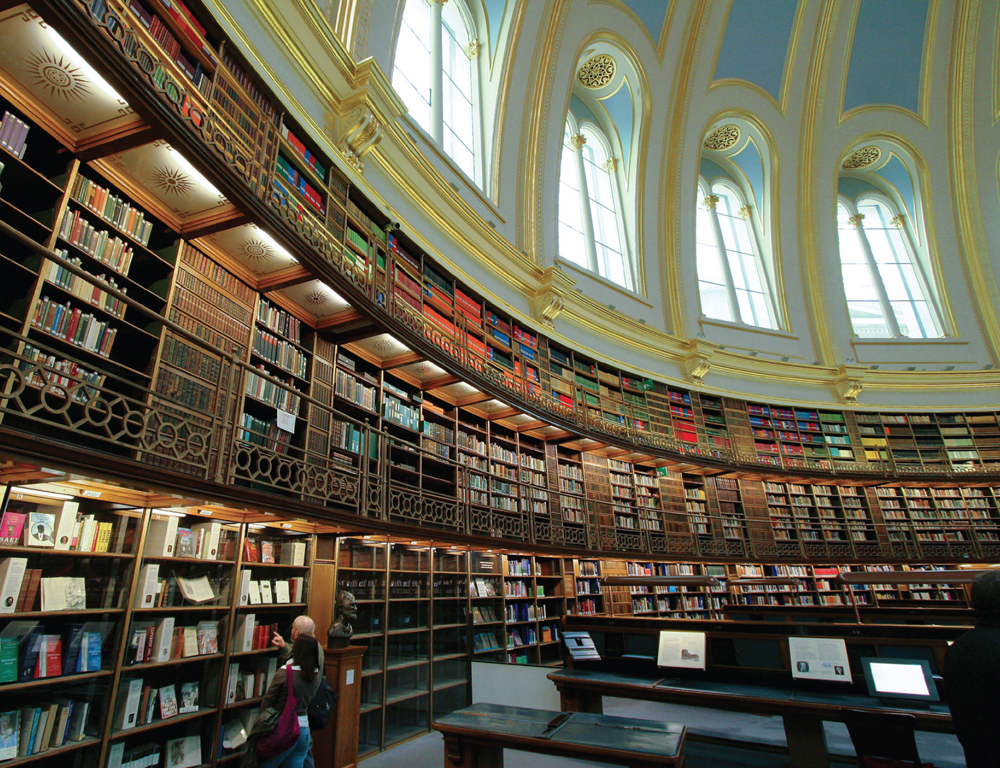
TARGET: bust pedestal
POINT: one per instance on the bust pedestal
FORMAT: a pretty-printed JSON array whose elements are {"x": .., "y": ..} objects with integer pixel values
[{"x": 336, "y": 746}]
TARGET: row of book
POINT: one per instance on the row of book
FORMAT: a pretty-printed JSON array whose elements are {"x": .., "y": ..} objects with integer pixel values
[
  {"x": 140, "y": 703},
  {"x": 280, "y": 353},
  {"x": 14, "y": 134},
  {"x": 270, "y": 591},
  {"x": 99, "y": 243},
  {"x": 71, "y": 324},
  {"x": 485, "y": 641},
  {"x": 157, "y": 642},
  {"x": 315, "y": 200},
  {"x": 266, "y": 391},
  {"x": 183, "y": 752},
  {"x": 48, "y": 370},
  {"x": 30, "y": 650},
  {"x": 83, "y": 289},
  {"x": 63, "y": 530},
  {"x": 30, "y": 730},
  {"x": 298, "y": 182},
  {"x": 191, "y": 304},
  {"x": 279, "y": 321},
  {"x": 282, "y": 551},
  {"x": 253, "y": 636},
  {"x": 198, "y": 261},
  {"x": 203, "y": 541},
  {"x": 245, "y": 684},
  {"x": 302, "y": 151},
  {"x": 164, "y": 37},
  {"x": 112, "y": 208},
  {"x": 177, "y": 351}
]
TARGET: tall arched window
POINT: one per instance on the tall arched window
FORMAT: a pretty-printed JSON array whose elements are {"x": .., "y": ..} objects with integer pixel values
[
  {"x": 732, "y": 280},
  {"x": 591, "y": 228},
  {"x": 886, "y": 288},
  {"x": 434, "y": 55}
]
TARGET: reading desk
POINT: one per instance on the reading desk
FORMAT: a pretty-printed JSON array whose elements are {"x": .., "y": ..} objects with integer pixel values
[
  {"x": 475, "y": 737},
  {"x": 802, "y": 711}
]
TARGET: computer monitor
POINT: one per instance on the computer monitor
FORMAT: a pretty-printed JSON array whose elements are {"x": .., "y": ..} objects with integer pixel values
[
  {"x": 681, "y": 650},
  {"x": 908, "y": 679},
  {"x": 819, "y": 658}
]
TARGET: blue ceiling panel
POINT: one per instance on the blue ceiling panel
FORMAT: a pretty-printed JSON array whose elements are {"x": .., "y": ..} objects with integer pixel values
[
  {"x": 887, "y": 54},
  {"x": 651, "y": 13},
  {"x": 619, "y": 107},
  {"x": 852, "y": 188},
  {"x": 756, "y": 43},
  {"x": 897, "y": 174},
  {"x": 494, "y": 14},
  {"x": 581, "y": 111},
  {"x": 712, "y": 171},
  {"x": 749, "y": 161}
]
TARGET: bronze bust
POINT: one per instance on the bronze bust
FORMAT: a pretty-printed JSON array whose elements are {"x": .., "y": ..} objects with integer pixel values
[{"x": 345, "y": 611}]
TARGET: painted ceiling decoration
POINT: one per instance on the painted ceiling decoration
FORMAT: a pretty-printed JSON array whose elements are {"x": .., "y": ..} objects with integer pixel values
[
  {"x": 886, "y": 68},
  {"x": 756, "y": 42},
  {"x": 597, "y": 71}
]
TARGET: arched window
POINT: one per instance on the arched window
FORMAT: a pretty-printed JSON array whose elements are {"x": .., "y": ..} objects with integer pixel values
[
  {"x": 591, "y": 229},
  {"x": 886, "y": 289},
  {"x": 434, "y": 55},
  {"x": 732, "y": 280}
]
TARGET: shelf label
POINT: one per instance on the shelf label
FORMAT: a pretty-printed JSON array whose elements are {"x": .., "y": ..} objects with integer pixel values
[
  {"x": 286, "y": 420},
  {"x": 349, "y": 677}
]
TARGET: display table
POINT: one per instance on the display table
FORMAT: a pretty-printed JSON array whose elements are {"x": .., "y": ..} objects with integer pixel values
[
  {"x": 802, "y": 711},
  {"x": 475, "y": 737}
]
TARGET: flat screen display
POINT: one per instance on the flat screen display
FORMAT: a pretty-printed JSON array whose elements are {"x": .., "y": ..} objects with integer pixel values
[
  {"x": 681, "y": 650},
  {"x": 900, "y": 679}
]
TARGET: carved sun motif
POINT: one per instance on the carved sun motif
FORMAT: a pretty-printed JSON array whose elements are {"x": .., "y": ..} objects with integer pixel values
[
  {"x": 255, "y": 250},
  {"x": 171, "y": 181},
  {"x": 57, "y": 76},
  {"x": 384, "y": 345},
  {"x": 315, "y": 298}
]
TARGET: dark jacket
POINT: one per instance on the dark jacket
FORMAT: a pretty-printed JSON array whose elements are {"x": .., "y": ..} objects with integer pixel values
[
  {"x": 277, "y": 692},
  {"x": 972, "y": 683}
]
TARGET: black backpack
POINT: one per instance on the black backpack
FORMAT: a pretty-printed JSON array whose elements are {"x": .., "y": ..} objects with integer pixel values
[{"x": 321, "y": 706}]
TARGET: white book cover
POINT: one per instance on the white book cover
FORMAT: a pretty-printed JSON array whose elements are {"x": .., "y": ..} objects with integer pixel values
[
  {"x": 162, "y": 536},
  {"x": 265, "y": 592},
  {"x": 66, "y": 524},
  {"x": 244, "y": 587},
  {"x": 88, "y": 530},
  {"x": 163, "y": 640},
  {"x": 244, "y": 634},
  {"x": 115, "y": 754},
  {"x": 281, "y": 594},
  {"x": 129, "y": 707},
  {"x": 168, "y": 701},
  {"x": 208, "y": 540},
  {"x": 148, "y": 583},
  {"x": 293, "y": 553},
  {"x": 254, "y": 593},
  {"x": 232, "y": 682},
  {"x": 11, "y": 574}
]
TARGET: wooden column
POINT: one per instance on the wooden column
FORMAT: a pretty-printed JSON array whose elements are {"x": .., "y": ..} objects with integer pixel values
[{"x": 336, "y": 746}]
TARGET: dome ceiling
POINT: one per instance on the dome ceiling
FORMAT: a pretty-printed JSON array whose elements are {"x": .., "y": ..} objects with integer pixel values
[{"x": 774, "y": 97}]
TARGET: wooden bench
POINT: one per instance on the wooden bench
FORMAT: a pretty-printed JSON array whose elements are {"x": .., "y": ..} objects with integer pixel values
[{"x": 476, "y": 736}]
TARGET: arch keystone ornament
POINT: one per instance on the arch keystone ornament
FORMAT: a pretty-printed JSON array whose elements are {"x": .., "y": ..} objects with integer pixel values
[
  {"x": 365, "y": 132},
  {"x": 862, "y": 157},
  {"x": 550, "y": 297},
  {"x": 698, "y": 360},
  {"x": 848, "y": 384},
  {"x": 597, "y": 71},
  {"x": 722, "y": 138}
]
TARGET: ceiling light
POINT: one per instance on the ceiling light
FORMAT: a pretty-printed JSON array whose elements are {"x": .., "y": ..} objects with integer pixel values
[
  {"x": 88, "y": 71},
  {"x": 274, "y": 244},
  {"x": 205, "y": 512},
  {"x": 171, "y": 512},
  {"x": 46, "y": 494},
  {"x": 195, "y": 174},
  {"x": 286, "y": 525},
  {"x": 258, "y": 526}
]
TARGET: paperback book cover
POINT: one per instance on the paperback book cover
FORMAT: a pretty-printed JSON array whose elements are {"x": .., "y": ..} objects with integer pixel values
[
  {"x": 41, "y": 529},
  {"x": 189, "y": 698},
  {"x": 11, "y": 527},
  {"x": 10, "y": 728}
]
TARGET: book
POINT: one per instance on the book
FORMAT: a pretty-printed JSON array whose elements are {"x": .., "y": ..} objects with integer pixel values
[
  {"x": 61, "y": 729},
  {"x": 208, "y": 637},
  {"x": 34, "y": 579},
  {"x": 189, "y": 698},
  {"x": 11, "y": 577},
  {"x": 65, "y": 525},
  {"x": 281, "y": 593},
  {"x": 78, "y": 721},
  {"x": 168, "y": 702},
  {"x": 8, "y": 659},
  {"x": 90, "y": 651},
  {"x": 162, "y": 536},
  {"x": 11, "y": 527},
  {"x": 163, "y": 639},
  {"x": 185, "y": 543},
  {"x": 72, "y": 643},
  {"x": 190, "y": 642},
  {"x": 45, "y": 738},
  {"x": 64, "y": 593},
  {"x": 293, "y": 553},
  {"x": 29, "y": 725},
  {"x": 208, "y": 539},
  {"x": 243, "y": 640},
  {"x": 265, "y": 592},
  {"x": 10, "y": 729},
  {"x": 253, "y": 593},
  {"x": 266, "y": 551},
  {"x": 128, "y": 703},
  {"x": 148, "y": 581},
  {"x": 40, "y": 529},
  {"x": 49, "y": 657},
  {"x": 31, "y": 646},
  {"x": 184, "y": 752},
  {"x": 196, "y": 590}
]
